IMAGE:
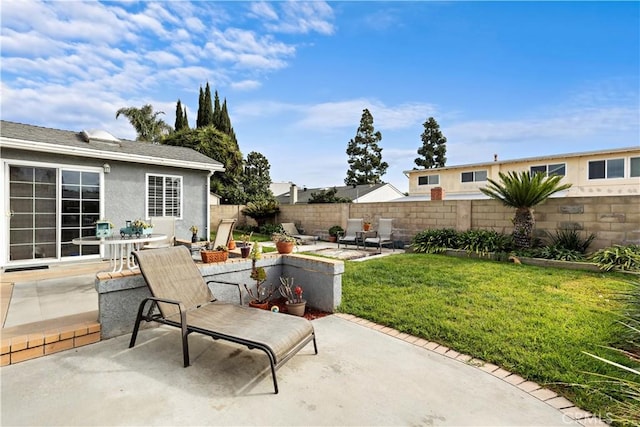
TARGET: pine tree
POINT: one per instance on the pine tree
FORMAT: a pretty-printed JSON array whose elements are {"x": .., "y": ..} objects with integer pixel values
[
  {"x": 365, "y": 156},
  {"x": 256, "y": 178},
  {"x": 434, "y": 146}
]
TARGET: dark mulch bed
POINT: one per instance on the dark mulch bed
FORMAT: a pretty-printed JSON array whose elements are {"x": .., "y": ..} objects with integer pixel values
[{"x": 310, "y": 313}]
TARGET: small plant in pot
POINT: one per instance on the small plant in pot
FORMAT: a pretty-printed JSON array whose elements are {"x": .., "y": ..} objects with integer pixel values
[
  {"x": 284, "y": 242},
  {"x": 334, "y": 232},
  {"x": 262, "y": 293},
  {"x": 295, "y": 303},
  {"x": 244, "y": 245}
]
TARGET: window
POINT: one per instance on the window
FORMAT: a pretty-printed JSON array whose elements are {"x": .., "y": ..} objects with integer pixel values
[
  {"x": 164, "y": 196},
  {"x": 429, "y": 180},
  {"x": 612, "y": 168},
  {"x": 549, "y": 170},
  {"x": 634, "y": 166},
  {"x": 474, "y": 176}
]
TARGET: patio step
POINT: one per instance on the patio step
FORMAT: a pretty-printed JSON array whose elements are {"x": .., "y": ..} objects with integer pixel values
[{"x": 37, "y": 339}]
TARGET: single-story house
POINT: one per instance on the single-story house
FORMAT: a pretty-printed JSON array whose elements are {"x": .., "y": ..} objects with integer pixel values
[
  {"x": 58, "y": 183},
  {"x": 365, "y": 193},
  {"x": 609, "y": 172}
]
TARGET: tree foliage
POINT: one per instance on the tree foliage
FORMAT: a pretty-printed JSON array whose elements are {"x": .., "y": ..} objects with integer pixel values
[
  {"x": 205, "y": 108},
  {"x": 148, "y": 126},
  {"x": 327, "y": 196},
  {"x": 256, "y": 178},
  {"x": 218, "y": 146},
  {"x": 365, "y": 156},
  {"x": 523, "y": 191},
  {"x": 434, "y": 146},
  {"x": 181, "y": 117}
]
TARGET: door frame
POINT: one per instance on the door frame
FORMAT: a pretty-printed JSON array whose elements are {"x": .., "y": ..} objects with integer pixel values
[{"x": 4, "y": 208}]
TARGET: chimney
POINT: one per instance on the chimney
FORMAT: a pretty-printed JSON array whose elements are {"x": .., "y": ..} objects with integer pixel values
[
  {"x": 293, "y": 194},
  {"x": 437, "y": 193}
]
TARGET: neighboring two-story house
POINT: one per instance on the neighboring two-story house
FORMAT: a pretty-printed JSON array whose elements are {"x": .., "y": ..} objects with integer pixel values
[
  {"x": 57, "y": 183},
  {"x": 613, "y": 172}
]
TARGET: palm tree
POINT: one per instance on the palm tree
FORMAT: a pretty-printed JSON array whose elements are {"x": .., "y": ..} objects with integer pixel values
[
  {"x": 146, "y": 122},
  {"x": 523, "y": 191}
]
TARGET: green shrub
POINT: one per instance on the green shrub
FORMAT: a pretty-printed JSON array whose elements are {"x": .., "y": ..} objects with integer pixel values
[
  {"x": 571, "y": 240},
  {"x": 559, "y": 253},
  {"x": 435, "y": 241},
  {"x": 482, "y": 242},
  {"x": 269, "y": 229},
  {"x": 617, "y": 256}
]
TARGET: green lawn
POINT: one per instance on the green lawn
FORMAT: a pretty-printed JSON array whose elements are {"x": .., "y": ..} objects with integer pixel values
[{"x": 532, "y": 321}]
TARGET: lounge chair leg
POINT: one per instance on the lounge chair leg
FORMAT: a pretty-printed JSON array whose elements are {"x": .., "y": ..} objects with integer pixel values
[
  {"x": 273, "y": 374},
  {"x": 185, "y": 339},
  {"x": 134, "y": 334}
]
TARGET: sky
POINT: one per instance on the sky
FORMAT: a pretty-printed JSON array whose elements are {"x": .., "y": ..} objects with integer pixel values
[{"x": 516, "y": 79}]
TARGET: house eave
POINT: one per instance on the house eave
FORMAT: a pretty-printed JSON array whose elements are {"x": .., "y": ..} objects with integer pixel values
[{"x": 105, "y": 155}]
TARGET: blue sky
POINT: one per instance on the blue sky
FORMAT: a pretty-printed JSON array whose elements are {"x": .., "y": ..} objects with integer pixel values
[{"x": 517, "y": 79}]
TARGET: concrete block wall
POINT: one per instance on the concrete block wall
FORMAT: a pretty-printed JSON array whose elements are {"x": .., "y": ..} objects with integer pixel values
[
  {"x": 120, "y": 294},
  {"x": 615, "y": 219}
]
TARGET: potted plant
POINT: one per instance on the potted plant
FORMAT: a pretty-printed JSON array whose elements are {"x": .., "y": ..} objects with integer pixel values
[
  {"x": 334, "y": 232},
  {"x": 262, "y": 293},
  {"x": 245, "y": 246},
  {"x": 219, "y": 254},
  {"x": 366, "y": 226},
  {"x": 194, "y": 233},
  {"x": 295, "y": 304},
  {"x": 284, "y": 242}
]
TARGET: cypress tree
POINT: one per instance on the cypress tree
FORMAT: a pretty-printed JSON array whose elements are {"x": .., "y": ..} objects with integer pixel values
[
  {"x": 185, "y": 119},
  {"x": 179, "y": 118},
  {"x": 207, "y": 114},
  {"x": 217, "y": 117},
  {"x": 199, "y": 120}
]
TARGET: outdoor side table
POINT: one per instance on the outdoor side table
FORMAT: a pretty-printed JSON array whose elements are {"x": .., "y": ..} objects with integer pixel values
[
  {"x": 361, "y": 235},
  {"x": 120, "y": 248}
]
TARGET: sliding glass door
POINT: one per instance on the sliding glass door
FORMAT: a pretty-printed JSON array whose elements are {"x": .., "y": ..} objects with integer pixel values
[
  {"x": 33, "y": 216},
  {"x": 48, "y": 208}
]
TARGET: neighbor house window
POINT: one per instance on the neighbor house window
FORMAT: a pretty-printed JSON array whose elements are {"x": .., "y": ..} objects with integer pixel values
[
  {"x": 549, "y": 170},
  {"x": 601, "y": 169},
  {"x": 634, "y": 167},
  {"x": 429, "y": 180},
  {"x": 474, "y": 176},
  {"x": 164, "y": 196}
]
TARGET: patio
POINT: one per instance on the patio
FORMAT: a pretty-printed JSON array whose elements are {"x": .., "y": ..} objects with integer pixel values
[
  {"x": 384, "y": 378},
  {"x": 361, "y": 376}
]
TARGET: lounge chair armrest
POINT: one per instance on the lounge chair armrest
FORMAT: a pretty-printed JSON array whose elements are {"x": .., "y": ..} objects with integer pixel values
[{"x": 229, "y": 283}]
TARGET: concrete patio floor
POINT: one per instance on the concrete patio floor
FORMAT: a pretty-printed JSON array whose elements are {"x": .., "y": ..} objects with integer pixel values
[
  {"x": 364, "y": 374},
  {"x": 361, "y": 376}
]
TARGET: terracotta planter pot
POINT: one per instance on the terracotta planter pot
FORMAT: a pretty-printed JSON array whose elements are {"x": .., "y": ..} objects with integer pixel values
[
  {"x": 366, "y": 226},
  {"x": 333, "y": 239},
  {"x": 232, "y": 245},
  {"x": 262, "y": 306},
  {"x": 296, "y": 308},
  {"x": 284, "y": 247}
]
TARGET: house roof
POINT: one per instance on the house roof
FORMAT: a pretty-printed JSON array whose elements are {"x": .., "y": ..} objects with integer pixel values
[
  {"x": 528, "y": 159},
  {"x": 348, "y": 191},
  {"x": 102, "y": 146}
]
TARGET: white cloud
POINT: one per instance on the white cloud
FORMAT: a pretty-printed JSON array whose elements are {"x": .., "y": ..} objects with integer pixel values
[
  {"x": 245, "y": 85},
  {"x": 300, "y": 17},
  {"x": 262, "y": 10}
]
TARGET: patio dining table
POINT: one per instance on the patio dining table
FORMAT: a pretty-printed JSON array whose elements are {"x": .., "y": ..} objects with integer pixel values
[{"x": 120, "y": 248}]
